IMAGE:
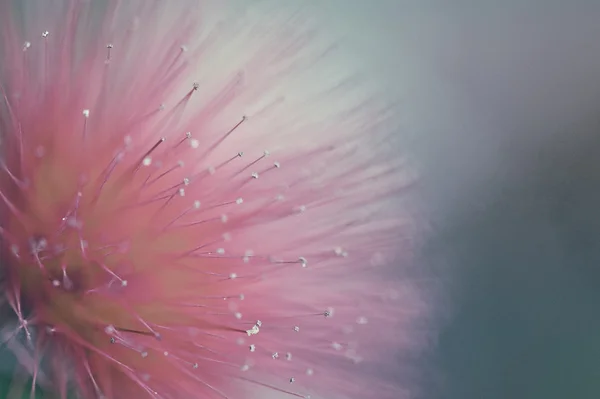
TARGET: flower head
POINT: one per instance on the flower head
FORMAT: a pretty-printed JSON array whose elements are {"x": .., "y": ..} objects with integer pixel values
[{"x": 176, "y": 225}]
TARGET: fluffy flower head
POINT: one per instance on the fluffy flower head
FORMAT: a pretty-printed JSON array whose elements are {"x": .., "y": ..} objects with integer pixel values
[{"x": 176, "y": 224}]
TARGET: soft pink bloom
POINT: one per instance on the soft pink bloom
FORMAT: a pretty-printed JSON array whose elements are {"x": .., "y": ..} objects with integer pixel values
[{"x": 190, "y": 211}]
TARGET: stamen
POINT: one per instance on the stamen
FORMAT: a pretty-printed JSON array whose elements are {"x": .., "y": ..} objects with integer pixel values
[{"x": 109, "y": 47}]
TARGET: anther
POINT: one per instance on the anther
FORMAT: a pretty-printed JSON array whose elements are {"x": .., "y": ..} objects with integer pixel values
[
  {"x": 254, "y": 330},
  {"x": 303, "y": 261}
]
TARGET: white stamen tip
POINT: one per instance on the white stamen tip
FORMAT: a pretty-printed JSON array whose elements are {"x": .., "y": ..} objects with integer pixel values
[{"x": 253, "y": 331}]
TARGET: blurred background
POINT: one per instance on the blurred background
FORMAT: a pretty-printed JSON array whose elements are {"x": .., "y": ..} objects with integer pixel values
[{"x": 501, "y": 106}]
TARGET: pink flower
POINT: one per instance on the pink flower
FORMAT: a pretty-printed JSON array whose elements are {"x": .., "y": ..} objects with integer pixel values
[{"x": 179, "y": 221}]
